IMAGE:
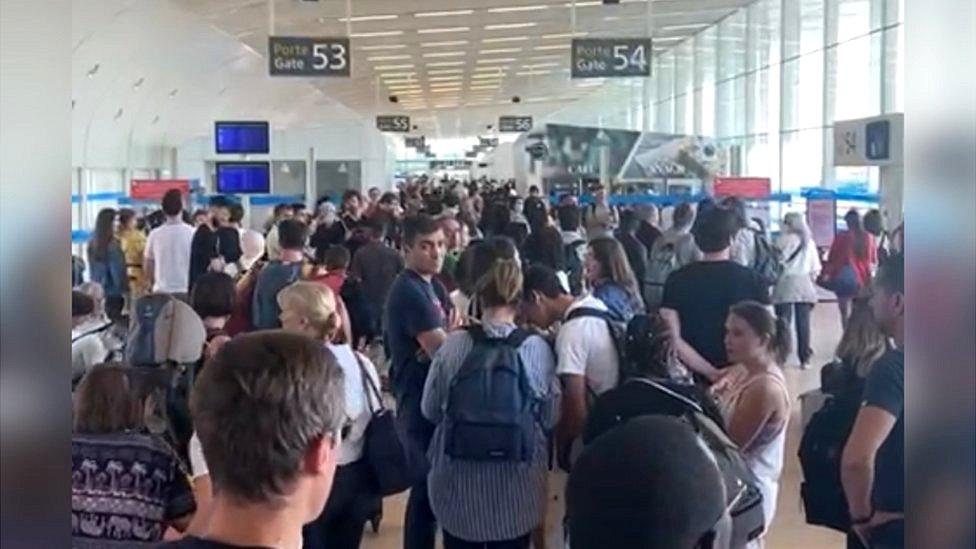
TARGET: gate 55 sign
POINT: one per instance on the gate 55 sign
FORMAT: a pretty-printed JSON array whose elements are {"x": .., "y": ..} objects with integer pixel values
[
  {"x": 610, "y": 57},
  {"x": 514, "y": 123},
  {"x": 303, "y": 56},
  {"x": 394, "y": 123}
]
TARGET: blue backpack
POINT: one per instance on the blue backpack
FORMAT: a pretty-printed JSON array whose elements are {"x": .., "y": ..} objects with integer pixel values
[{"x": 491, "y": 408}]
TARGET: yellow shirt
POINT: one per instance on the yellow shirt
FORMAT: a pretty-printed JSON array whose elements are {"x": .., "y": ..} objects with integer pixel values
[{"x": 133, "y": 246}]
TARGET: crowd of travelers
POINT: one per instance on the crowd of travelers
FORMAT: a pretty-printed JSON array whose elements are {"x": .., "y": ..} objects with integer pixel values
[{"x": 236, "y": 387}]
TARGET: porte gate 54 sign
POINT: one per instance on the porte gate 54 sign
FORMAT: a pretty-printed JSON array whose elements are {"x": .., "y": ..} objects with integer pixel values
[
  {"x": 304, "y": 56},
  {"x": 393, "y": 123},
  {"x": 610, "y": 57},
  {"x": 514, "y": 123}
]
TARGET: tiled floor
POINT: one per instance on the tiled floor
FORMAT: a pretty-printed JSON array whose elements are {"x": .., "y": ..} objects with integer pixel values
[{"x": 789, "y": 529}]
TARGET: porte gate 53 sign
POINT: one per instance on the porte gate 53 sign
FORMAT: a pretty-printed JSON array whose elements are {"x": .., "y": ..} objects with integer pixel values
[
  {"x": 305, "y": 56},
  {"x": 610, "y": 57},
  {"x": 393, "y": 123},
  {"x": 514, "y": 123}
]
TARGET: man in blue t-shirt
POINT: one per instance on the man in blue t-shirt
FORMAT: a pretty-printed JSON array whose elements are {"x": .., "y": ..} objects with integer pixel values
[
  {"x": 873, "y": 465},
  {"x": 415, "y": 323}
]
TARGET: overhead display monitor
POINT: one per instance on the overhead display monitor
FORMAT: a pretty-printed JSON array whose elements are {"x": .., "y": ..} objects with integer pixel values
[
  {"x": 242, "y": 137},
  {"x": 243, "y": 177}
]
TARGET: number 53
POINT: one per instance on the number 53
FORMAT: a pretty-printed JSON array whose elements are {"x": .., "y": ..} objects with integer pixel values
[{"x": 321, "y": 53}]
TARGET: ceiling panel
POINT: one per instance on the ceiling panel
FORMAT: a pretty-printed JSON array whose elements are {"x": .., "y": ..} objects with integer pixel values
[{"x": 494, "y": 49}]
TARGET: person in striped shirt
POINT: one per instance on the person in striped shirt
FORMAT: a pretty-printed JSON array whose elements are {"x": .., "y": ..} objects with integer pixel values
[{"x": 491, "y": 504}]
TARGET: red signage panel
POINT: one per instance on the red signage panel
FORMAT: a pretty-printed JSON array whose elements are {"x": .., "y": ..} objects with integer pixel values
[
  {"x": 154, "y": 189},
  {"x": 743, "y": 187}
]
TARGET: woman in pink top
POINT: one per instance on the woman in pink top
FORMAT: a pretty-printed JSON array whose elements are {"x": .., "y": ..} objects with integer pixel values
[{"x": 852, "y": 258}]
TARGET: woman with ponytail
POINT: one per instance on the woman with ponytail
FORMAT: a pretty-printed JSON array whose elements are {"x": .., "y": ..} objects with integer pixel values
[
  {"x": 850, "y": 263},
  {"x": 494, "y": 502},
  {"x": 756, "y": 405}
]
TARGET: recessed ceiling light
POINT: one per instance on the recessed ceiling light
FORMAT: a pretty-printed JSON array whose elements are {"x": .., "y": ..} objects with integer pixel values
[
  {"x": 446, "y": 63},
  {"x": 446, "y": 54},
  {"x": 537, "y": 7},
  {"x": 504, "y": 39},
  {"x": 446, "y": 71},
  {"x": 407, "y": 74},
  {"x": 358, "y": 18},
  {"x": 375, "y": 34},
  {"x": 387, "y": 57},
  {"x": 690, "y": 26},
  {"x": 443, "y": 13},
  {"x": 486, "y": 76},
  {"x": 541, "y": 65},
  {"x": 564, "y": 35},
  {"x": 392, "y": 67},
  {"x": 499, "y": 50},
  {"x": 443, "y": 44},
  {"x": 552, "y": 47},
  {"x": 584, "y": 4},
  {"x": 503, "y": 26},
  {"x": 484, "y": 87},
  {"x": 443, "y": 30},
  {"x": 379, "y": 47},
  {"x": 445, "y": 90},
  {"x": 445, "y": 78},
  {"x": 532, "y": 73},
  {"x": 667, "y": 38},
  {"x": 491, "y": 68}
]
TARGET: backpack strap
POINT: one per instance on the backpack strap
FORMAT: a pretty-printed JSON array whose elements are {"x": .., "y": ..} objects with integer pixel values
[
  {"x": 580, "y": 312},
  {"x": 672, "y": 393}
]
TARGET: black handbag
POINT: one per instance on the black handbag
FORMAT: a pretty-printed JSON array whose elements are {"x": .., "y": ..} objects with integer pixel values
[{"x": 383, "y": 451}]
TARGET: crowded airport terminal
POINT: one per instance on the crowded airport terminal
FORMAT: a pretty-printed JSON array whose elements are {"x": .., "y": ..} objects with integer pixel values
[{"x": 487, "y": 274}]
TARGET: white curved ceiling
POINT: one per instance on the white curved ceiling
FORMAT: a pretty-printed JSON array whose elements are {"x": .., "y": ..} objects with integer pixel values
[{"x": 168, "y": 68}]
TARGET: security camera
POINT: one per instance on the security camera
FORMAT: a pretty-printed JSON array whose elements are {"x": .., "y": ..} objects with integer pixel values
[
  {"x": 489, "y": 126},
  {"x": 516, "y": 99},
  {"x": 415, "y": 127},
  {"x": 394, "y": 99}
]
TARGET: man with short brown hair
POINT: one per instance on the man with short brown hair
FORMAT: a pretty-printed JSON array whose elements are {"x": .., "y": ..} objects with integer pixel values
[{"x": 268, "y": 409}]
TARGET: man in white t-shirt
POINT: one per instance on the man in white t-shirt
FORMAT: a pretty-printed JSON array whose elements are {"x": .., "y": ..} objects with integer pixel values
[
  {"x": 586, "y": 354},
  {"x": 167, "y": 257}
]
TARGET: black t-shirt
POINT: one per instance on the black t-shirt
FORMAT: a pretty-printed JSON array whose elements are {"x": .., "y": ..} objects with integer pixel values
[
  {"x": 647, "y": 234},
  {"x": 702, "y": 293},
  {"x": 636, "y": 398},
  {"x": 545, "y": 247},
  {"x": 229, "y": 244},
  {"x": 192, "y": 542},
  {"x": 203, "y": 248},
  {"x": 885, "y": 389}
]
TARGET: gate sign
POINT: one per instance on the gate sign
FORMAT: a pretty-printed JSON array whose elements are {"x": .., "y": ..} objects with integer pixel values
[
  {"x": 393, "y": 123},
  {"x": 514, "y": 123},
  {"x": 154, "y": 189},
  {"x": 742, "y": 187},
  {"x": 305, "y": 56},
  {"x": 611, "y": 57},
  {"x": 875, "y": 141},
  {"x": 414, "y": 142}
]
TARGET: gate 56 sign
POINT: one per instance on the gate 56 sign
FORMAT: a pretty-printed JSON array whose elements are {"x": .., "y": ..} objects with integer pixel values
[
  {"x": 610, "y": 57},
  {"x": 304, "y": 56}
]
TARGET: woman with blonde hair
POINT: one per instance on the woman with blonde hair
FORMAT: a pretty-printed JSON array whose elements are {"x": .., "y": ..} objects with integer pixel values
[
  {"x": 487, "y": 481},
  {"x": 312, "y": 309},
  {"x": 795, "y": 293}
]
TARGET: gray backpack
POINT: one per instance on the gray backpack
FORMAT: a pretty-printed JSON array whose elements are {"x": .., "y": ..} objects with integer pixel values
[{"x": 662, "y": 262}]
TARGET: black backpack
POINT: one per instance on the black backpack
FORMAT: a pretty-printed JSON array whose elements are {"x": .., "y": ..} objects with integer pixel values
[
  {"x": 574, "y": 265},
  {"x": 768, "y": 262},
  {"x": 491, "y": 409},
  {"x": 821, "y": 448},
  {"x": 743, "y": 497}
]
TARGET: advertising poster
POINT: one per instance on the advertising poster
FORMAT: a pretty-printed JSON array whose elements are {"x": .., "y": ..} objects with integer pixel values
[
  {"x": 574, "y": 153},
  {"x": 822, "y": 218},
  {"x": 662, "y": 155}
]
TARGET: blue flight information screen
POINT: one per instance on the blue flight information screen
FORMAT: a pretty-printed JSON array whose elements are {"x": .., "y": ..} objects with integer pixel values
[
  {"x": 243, "y": 177},
  {"x": 242, "y": 137}
]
